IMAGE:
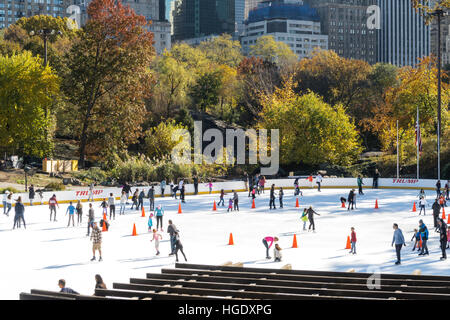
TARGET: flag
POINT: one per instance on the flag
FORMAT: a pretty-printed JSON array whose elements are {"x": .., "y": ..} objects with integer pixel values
[{"x": 418, "y": 137}]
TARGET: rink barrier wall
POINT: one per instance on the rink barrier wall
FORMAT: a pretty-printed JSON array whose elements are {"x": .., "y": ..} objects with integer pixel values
[{"x": 238, "y": 186}]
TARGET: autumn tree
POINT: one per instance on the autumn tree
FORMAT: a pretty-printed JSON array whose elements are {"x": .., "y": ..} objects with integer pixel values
[
  {"x": 222, "y": 50},
  {"x": 311, "y": 131},
  {"x": 158, "y": 140},
  {"x": 109, "y": 78},
  {"x": 27, "y": 89},
  {"x": 267, "y": 48}
]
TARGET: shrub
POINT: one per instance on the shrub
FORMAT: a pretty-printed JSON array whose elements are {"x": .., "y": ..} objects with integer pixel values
[
  {"x": 10, "y": 189},
  {"x": 55, "y": 186}
]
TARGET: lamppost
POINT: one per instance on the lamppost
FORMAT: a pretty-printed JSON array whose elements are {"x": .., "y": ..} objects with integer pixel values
[{"x": 439, "y": 13}]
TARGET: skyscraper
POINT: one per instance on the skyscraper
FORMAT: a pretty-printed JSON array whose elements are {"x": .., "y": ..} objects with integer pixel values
[
  {"x": 345, "y": 23},
  {"x": 403, "y": 37}
]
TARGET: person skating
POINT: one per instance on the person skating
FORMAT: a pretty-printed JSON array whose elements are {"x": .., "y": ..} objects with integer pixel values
[
  {"x": 350, "y": 199},
  {"x": 19, "y": 211},
  {"x": 354, "y": 198},
  {"x": 376, "y": 176},
  {"x": 447, "y": 190},
  {"x": 254, "y": 193},
  {"x": 104, "y": 206},
  {"x": 318, "y": 181},
  {"x": 262, "y": 183},
  {"x": 442, "y": 201},
  {"x": 235, "y": 200},
  {"x": 134, "y": 199},
  {"x": 91, "y": 218},
  {"x": 249, "y": 184},
  {"x": 52, "y": 203},
  {"x": 5, "y": 196},
  {"x": 277, "y": 251},
  {"x": 8, "y": 203},
  {"x": 436, "y": 210},
  {"x": 416, "y": 238},
  {"x": 311, "y": 214},
  {"x": 230, "y": 205},
  {"x": 162, "y": 185},
  {"x": 31, "y": 194},
  {"x": 272, "y": 197},
  {"x": 96, "y": 238},
  {"x": 141, "y": 200},
  {"x": 210, "y": 186},
  {"x": 79, "y": 209},
  {"x": 182, "y": 194},
  {"x": 296, "y": 188},
  {"x": 353, "y": 240},
  {"x": 64, "y": 289},
  {"x": 195, "y": 185},
  {"x": 443, "y": 238},
  {"x": 438, "y": 188},
  {"x": 304, "y": 218},
  {"x": 91, "y": 192},
  {"x": 424, "y": 237},
  {"x": 123, "y": 201},
  {"x": 221, "y": 199},
  {"x": 280, "y": 196},
  {"x": 159, "y": 213},
  {"x": 150, "y": 222},
  {"x": 156, "y": 237},
  {"x": 422, "y": 205},
  {"x": 112, "y": 206},
  {"x": 151, "y": 198},
  {"x": 343, "y": 201},
  {"x": 71, "y": 211},
  {"x": 41, "y": 196},
  {"x": 421, "y": 194},
  {"x": 448, "y": 236},
  {"x": 399, "y": 242},
  {"x": 171, "y": 230},
  {"x": 171, "y": 188},
  {"x": 360, "y": 183},
  {"x": 267, "y": 242},
  {"x": 178, "y": 246}
]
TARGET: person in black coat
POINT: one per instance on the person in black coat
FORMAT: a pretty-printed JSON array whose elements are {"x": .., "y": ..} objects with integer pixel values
[
  {"x": 438, "y": 188},
  {"x": 350, "y": 199},
  {"x": 182, "y": 194},
  {"x": 443, "y": 238},
  {"x": 311, "y": 214},
  {"x": 178, "y": 246},
  {"x": 436, "y": 210},
  {"x": 272, "y": 197},
  {"x": 195, "y": 184},
  {"x": 31, "y": 194},
  {"x": 19, "y": 211},
  {"x": 376, "y": 176},
  {"x": 280, "y": 195}
]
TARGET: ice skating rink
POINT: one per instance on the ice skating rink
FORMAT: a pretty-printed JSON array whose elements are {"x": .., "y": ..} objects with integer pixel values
[{"x": 36, "y": 258}]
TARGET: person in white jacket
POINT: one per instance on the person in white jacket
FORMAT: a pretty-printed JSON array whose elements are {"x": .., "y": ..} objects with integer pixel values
[
  {"x": 318, "y": 180},
  {"x": 5, "y": 196},
  {"x": 123, "y": 201},
  {"x": 422, "y": 205}
]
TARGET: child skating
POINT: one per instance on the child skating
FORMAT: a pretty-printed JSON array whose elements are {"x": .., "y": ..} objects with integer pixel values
[
  {"x": 304, "y": 218},
  {"x": 150, "y": 222},
  {"x": 416, "y": 237},
  {"x": 222, "y": 194},
  {"x": 230, "y": 205},
  {"x": 353, "y": 241},
  {"x": 277, "y": 251},
  {"x": 156, "y": 236}
]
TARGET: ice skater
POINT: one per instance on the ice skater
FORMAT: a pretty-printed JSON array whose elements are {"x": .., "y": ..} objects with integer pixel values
[
  {"x": 353, "y": 240},
  {"x": 19, "y": 210},
  {"x": 311, "y": 214},
  {"x": 230, "y": 205},
  {"x": 272, "y": 197},
  {"x": 280, "y": 196},
  {"x": 104, "y": 206},
  {"x": 399, "y": 242},
  {"x": 235, "y": 201},
  {"x": 71, "y": 211},
  {"x": 52, "y": 203},
  {"x": 424, "y": 237},
  {"x": 112, "y": 206},
  {"x": 277, "y": 251},
  {"x": 134, "y": 199},
  {"x": 31, "y": 194},
  {"x": 318, "y": 181},
  {"x": 360, "y": 183},
  {"x": 182, "y": 194},
  {"x": 9, "y": 204},
  {"x": 5, "y": 196},
  {"x": 416, "y": 238},
  {"x": 422, "y": 205},
  {"x": 150, "y": 222},
  {"x": 159, "y": 213},
  {"x": 350, "y": 199},
  {"x": 141, "y": 200},
  {"x": 91, "y": 192},
  {"x": 91, "y": 218},
  {"x": 123, "y": 201},
  {"x": 267, "y": 242},
  {"x": 162, "y": 185},
  {"x": 151, "y": 198},
  {"x": 156, "y": 237},
  {"x": 221, "y": 199},
  {"x": 178, "y": 246},
  {"x": 443, "y": 238},
  {"x": 304, "y": 218},
  {"x": 210, "y": 186},
  {"x": 96, "y": 238},
  {"x": 171, "y": 230},
  {"x": 79, "y": 209}
]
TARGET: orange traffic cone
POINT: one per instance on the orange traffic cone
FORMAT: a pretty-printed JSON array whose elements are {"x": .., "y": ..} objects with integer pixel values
[
  {"x": 104, "y": 217},
  {"x": 294, "y": 243},
  {"x": 214, "y": 206},
  {"x": 443, "y": 214},
  {"x": 343, "y": 205},
  {"x": 297, "y": 205},
  {"x": 179, "y": 208},
  {"x": 134, "y": 230},
  {"x": 253, "y": 204},
  {"x": 230, "y": 241},
  {"x": 414, "y": 207},
  {"x": 104, "y": 226},
  {"x": 448, "y": 221},
  {"x": 376, "y": 204},
  {"x": 143, "y": 212},
  {"x": 349, "y": 245}
]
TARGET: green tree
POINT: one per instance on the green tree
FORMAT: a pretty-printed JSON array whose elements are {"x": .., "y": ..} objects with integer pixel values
[
  {"x": 311, "y": 131},
  {"x": 205, "y": 92},
  {"x": 109, "y": 78},
  {"x": 267, "y": 48},
  {"x": 222, "y": 50},
  {"x": 27, "y": 89}
]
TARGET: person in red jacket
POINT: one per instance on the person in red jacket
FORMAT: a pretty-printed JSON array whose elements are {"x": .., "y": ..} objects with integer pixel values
[
  {"x": 353, "y": 241},
  {"x": 52, "y": 203}
]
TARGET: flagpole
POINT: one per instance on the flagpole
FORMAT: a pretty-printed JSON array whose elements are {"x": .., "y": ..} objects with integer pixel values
[
  {"x": 398, "y": 168},
  {"x": 417, "y": 141}
]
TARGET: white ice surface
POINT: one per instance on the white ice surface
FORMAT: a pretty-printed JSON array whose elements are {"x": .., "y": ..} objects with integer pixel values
[{"x": 46, "y": 251}]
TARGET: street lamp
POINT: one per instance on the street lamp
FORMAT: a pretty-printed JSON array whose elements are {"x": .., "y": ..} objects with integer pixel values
[{"x": 439, "y": 13}]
